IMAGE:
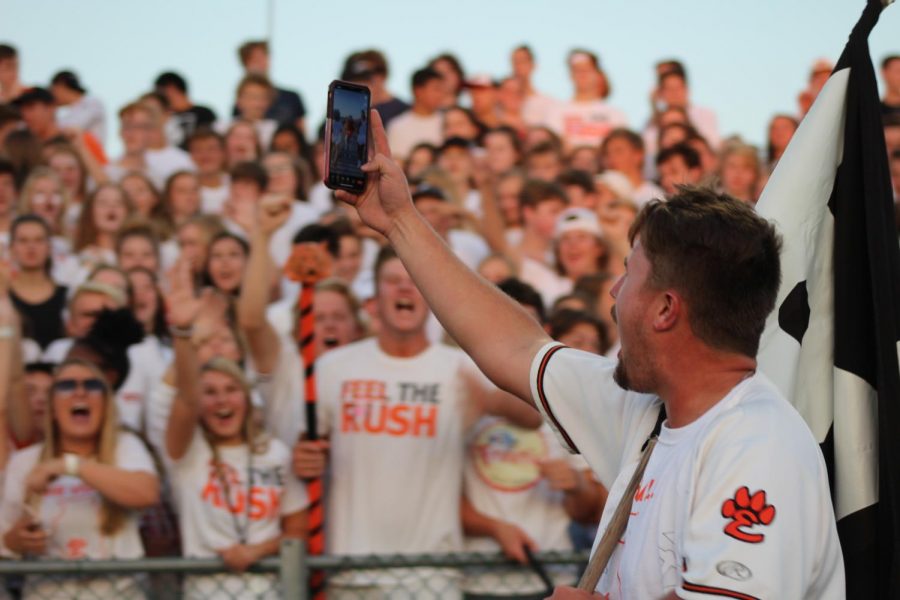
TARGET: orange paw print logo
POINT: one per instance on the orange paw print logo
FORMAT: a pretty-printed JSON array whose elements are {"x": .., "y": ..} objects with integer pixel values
[{"x": 745, "y": 512}]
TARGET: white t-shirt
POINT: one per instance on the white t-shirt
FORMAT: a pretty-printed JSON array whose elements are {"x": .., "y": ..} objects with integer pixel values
[
  {"x": 549, "y": 284},
  {"x": 69, "y": 513},
  {"x": 410, "y": 128},
  {"x": 397, "y": 445},
  {"x": 212, "y": 518},
  {"x": 646, "y": 192},
  {"x": 212, "y": 199},
  {"x": 690, "y": 530},
  {"x": 87, "y": 114},
  {"x": 503, "y": 481},
  {"x": 69, "y": 509},
  {"x": 164, "y": 162},
  {"x": 537, "y": 108},
  {"x": 585, "y": 123}
]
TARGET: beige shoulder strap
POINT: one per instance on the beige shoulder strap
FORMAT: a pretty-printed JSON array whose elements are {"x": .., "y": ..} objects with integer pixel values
[{"x": 616, "y": 526}]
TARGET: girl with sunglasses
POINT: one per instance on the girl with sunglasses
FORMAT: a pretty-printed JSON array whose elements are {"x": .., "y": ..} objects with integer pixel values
[
  {"x": 76, "y": 495},
  {"x": 235, "y": 491}
]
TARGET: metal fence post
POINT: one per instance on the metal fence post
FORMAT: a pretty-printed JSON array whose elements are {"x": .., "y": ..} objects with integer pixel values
[{"x": 293, "y": 570}]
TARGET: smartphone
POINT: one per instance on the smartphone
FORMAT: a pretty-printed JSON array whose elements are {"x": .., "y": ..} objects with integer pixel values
[{"x": 347, "y": 136}]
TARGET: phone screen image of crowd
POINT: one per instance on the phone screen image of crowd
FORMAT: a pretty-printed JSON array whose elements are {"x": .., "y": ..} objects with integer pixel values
[{"x": 349, "y": 129}]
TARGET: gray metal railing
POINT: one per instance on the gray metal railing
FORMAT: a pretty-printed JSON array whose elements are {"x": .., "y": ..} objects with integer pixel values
[{"x": 291, "y": 566}]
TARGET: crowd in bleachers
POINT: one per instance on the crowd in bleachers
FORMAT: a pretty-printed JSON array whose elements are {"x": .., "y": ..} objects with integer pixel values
[{"x": 152, "y": 397}]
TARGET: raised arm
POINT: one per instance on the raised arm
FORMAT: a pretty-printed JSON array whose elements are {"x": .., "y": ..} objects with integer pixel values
[
  {"x": 492, "y": 328},
  {"x": 272, "y": 213},
  {"x": 8, "y": 341},
  {"x": 182, "y": 309}
]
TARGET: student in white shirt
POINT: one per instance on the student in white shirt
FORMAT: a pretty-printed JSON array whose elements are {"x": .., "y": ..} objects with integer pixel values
[
  {"x": 235, "y": 492},
  {"x": 75, "y": 495},
  {"x": 732, "y": 453},
  {"x": 207, "y": 149},
  {"x": 423, "y": 122}
]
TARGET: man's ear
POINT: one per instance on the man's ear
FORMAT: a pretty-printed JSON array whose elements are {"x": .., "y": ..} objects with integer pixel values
[{"x": 669, "y": 310}]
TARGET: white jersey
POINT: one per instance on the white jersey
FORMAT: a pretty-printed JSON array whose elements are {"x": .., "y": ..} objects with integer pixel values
[
  {"x": 734, "y": 504},
  {"x": 503, "y": 480},
  {"x": 258, "y": 490}
]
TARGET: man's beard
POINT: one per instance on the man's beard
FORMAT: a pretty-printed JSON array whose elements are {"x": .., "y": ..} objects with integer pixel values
[{"x": 620, "y": 375}]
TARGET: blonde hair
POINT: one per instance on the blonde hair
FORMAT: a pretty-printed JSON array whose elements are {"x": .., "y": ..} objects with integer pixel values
[
  {"x": 112, "y": 516},
  {"x": 256, "y": 439},
  {"x": 26, "y": 206}
]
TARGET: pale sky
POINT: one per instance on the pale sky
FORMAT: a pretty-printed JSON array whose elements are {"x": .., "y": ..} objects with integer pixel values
[{"x": 747, "y": 59}]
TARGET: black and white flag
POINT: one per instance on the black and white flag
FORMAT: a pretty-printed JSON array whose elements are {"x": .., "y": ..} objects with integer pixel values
[{"x": 833, "y": 342}]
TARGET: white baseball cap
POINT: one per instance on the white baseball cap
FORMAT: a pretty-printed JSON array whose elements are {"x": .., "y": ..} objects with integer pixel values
[{"x": 577, "y": 219}]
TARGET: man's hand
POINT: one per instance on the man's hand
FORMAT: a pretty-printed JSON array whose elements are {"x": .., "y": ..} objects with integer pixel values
[
  {"x": 238, "y": 557},
  {"x": 182, "y": 306},
  {"x": 310, "y": 458},
  {"x": 565, "y": 592},
  {"x": 560, "y": 475},
  {"x": 387, "y": 193},
  {"x": 513, "y": 541}
]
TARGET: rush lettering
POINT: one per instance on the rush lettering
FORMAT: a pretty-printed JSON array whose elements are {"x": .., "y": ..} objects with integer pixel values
[{"x": 398, "y": 420}]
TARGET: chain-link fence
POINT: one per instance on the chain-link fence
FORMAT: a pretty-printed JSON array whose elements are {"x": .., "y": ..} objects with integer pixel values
[{"x": 423, "y": 576}]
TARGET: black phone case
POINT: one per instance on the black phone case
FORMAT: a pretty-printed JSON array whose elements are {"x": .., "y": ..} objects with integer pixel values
[{"x": 354, "y": 186}]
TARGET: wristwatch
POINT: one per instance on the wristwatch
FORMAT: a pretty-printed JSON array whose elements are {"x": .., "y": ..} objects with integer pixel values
[{"x": 72, "y": 463}]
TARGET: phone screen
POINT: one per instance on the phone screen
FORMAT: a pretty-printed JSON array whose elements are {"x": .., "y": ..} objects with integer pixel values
[{"x": 348, "y": 133}]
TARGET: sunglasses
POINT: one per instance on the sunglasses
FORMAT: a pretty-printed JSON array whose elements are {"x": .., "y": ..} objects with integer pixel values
[{"x": 68, "y": 386}]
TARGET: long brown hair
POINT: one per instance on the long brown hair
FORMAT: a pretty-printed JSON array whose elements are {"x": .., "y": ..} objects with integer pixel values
[
  {"x": 112, "y": 516},
  {"x": 86, "y": 233}
]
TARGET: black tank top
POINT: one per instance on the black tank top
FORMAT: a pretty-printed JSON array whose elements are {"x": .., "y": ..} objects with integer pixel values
[{"x": 42, "y": 322}]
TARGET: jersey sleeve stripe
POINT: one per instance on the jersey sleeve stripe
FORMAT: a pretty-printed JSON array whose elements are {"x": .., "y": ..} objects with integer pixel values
[
  {"x": 542, "y": 398},
  {"x": 715, "y": 591}
]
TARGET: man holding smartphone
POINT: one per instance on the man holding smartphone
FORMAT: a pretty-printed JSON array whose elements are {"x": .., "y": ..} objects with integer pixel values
[{"x": 735, "y": 500}]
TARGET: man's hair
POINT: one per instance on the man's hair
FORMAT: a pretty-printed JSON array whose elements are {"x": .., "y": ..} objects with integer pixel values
[
  {"x": 134, "y": 107},
  {"x": 722, "y": 258},
  {"x": 7, "y": 52},
  {"x": 510, "y": 134},
  {"x": 8, "y": 114},
  {"x": 523, "y": 293},
  {"x": 534, "y": 192},
  {"x": 690, "y": 156},
  {"x": 376, "y": 59},
  {"x": 256, "y": 79},
  {"x": 317, "y": 233},
  {"x": 137, "y": 229},
  {"x": 887, "y": 60},
  {"x": 526, "y": 49},
  {"x": 671, "y": 65},
  {"x": 171, "y": 79},
  {"x": 385, "y": 254},
  {"x": 423, "y": 76},
  {"x": 672, "y": 73},
  {"x": 577, "y": 177},
  {"x": 250, "y": 171},
  {"x": 622, "y": 133},
  {"x": 205, "y": 133},
  {"x": 544, "y": 148},
  {"x": 247, "y": 48}
]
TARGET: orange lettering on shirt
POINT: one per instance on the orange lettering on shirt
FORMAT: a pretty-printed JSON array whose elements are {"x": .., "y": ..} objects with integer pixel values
[
  {"x": 75, "y": 548},
  {"x": 398, "y": 424},
  {"x": 425, "y": 417},
  {"x": 375, "y": 424},
  {"x": 348, "y": 418},
  {"x": 212, "y": 494}
]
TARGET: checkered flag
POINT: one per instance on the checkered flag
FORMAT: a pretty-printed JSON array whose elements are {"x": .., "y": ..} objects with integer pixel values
[{"x": 833, "y": 342}]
